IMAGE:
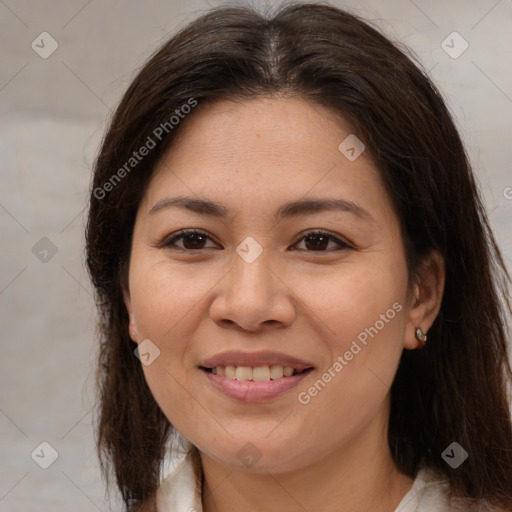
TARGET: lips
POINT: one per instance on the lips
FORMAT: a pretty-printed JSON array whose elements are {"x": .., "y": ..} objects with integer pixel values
[
  {"x": 254, "y": 377},
  {"x": 254, "y": 359},
  {"x": 256, "y": 373}
]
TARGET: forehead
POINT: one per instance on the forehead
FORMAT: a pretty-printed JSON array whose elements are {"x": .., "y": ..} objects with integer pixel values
[
  {"x": 266, "y": 125},
  {"x": 257, "y": 156}
]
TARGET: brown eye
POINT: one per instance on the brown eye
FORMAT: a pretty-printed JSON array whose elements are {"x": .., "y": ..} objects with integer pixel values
[
  {"x": 190, "y": 240},
  {"x": 319, "y": 241}
]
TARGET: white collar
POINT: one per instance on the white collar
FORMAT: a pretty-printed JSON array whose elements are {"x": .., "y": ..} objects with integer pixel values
[{"x": 180, "y": 490}]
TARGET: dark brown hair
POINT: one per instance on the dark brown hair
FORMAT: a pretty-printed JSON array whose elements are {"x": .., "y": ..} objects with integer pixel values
[{"x": 455, "y": 388}]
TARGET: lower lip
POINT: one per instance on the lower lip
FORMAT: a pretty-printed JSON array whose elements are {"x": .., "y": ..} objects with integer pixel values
[{"x": 251, "y": 391}]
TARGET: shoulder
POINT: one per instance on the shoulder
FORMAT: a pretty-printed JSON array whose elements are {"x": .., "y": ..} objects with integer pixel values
[
  {"x": 428, "y": 493},
  {"x": 180, "y": 488},
  {"x": 431, "y": 493}
]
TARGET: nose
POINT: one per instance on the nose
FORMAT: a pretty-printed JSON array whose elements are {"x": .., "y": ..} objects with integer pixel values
[{"x": 253, "y": 296}]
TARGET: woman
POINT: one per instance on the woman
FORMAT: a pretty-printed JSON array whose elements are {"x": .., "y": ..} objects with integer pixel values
[{"x": 285, "y": 227}]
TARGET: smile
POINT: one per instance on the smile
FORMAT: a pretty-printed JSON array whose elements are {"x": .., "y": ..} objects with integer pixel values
[
  {"x": 255, "y": 374},
  {"x": 254, "y": 377}
]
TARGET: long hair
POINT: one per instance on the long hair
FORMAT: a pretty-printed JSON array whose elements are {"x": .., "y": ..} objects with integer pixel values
[{"x": 455, "y": 388}]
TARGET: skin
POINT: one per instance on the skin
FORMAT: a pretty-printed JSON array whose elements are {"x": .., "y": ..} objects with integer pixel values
[{"x": 252, "y": 157}]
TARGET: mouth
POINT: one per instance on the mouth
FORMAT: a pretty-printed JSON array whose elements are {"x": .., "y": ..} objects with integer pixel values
[
  {"x": 263, "y": 373},
  {"x": 254, "y": 377}
]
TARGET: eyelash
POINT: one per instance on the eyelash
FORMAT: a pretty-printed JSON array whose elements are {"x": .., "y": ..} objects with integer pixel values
[{"x": 169, "y": 243}]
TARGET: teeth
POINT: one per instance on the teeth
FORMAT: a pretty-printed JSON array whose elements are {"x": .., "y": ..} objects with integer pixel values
[
  {"x": 276, "y": 372},
  {"x": 256, "y": 374},
  {"x": 288, "y": 372},
  {"x": 260, "y": 373},
  {"x": 243, "y": 373},
  {"x": 230, "y": 372}
]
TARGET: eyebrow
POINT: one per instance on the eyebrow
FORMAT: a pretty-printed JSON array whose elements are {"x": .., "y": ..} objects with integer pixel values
[{"x": 292, "y": 209}]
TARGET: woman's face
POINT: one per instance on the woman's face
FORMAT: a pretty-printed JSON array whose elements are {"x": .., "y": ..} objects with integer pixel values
[{"x": 259, "y": 291}]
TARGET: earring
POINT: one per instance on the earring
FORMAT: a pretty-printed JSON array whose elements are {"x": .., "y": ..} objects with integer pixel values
[{"x": 421, "y": 336}]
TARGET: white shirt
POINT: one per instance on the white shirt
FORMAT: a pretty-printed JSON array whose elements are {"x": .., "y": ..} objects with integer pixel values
[{"x": 179, "y": 491}]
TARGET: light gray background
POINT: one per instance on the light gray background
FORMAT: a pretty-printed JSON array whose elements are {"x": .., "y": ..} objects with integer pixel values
[{"x": 53, "y": 113}]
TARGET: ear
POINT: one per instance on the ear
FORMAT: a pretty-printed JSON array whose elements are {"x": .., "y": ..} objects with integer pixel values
[
  {"x": 425, "y": 297},
  {"x": 132, "y": 326}
]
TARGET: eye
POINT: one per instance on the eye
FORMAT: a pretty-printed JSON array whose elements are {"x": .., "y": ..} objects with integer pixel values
[
  {"x": 318, "y": 241},
  {"x": 191, "y": 239},
  {"x": 314, "y": 241}
]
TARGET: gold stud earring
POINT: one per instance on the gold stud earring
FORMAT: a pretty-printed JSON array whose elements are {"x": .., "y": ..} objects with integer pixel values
[{"x": 421, "y": 336}]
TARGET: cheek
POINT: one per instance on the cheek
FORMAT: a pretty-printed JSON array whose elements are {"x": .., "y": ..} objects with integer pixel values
[
  {"x": 362, "y": 312},
  {"x": 169, "y": 304},
  {"x": 355, "y": 302},
  {"x": 166, "y": 302},
  {"x": 166, "y": 299}
]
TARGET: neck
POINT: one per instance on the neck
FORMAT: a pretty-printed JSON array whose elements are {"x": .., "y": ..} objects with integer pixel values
[{"x": 358, "y": 476}]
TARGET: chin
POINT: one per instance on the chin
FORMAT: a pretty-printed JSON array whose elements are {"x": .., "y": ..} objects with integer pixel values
[{"x": 256, "y": 456}]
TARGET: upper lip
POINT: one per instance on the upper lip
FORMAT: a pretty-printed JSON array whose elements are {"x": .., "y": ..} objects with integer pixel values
[{"x": 261, "y": 358}]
